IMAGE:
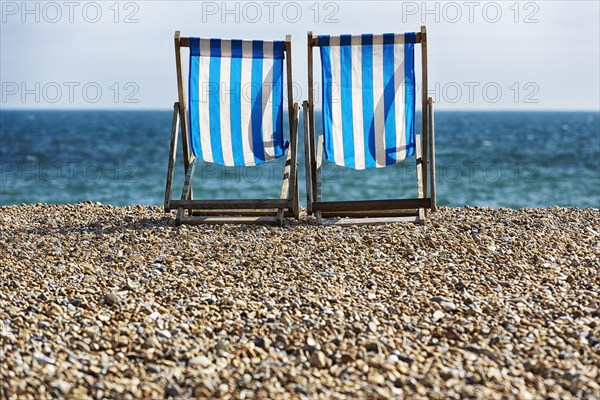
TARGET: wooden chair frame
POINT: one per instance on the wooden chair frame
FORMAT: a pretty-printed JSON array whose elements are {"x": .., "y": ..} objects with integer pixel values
[
  {"x": 251, "y": 211},
  {"x": 371, "y": 211}
]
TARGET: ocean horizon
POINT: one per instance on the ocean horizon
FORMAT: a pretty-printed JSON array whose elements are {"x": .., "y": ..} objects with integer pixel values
[{"x": 494, "y": 159}]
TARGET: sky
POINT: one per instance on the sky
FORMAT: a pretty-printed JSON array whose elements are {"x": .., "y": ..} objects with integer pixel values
[{"x": 483, "y": 55}]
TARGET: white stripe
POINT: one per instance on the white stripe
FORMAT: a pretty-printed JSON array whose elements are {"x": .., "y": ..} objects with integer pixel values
[
  {"x": 205, "y": 89},
  {"x": 267, "y": 102},
  {"x": 225, "y": 104},
  {"x": 246, "y": 105},
  {"x": 399, "y": 108},
  {"x": 357, "y": 105},
  {"x": 336, "y": 102},
  {"x": 378, "y": 104}
]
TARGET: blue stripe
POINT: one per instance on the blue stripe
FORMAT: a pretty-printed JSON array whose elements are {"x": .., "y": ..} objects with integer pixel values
[
  {"x": 388, "y": 99},
  {"x": 410, "y": 38},
  {"x": 193, "y": 100},
  {"x": 215, "y": 47},
  {"x": 256, "y": 101},
  {"x": 367, "y": 101},
  {"x": 214, "y": 100},
  {"x": 346, "y": 94},
  {"x": 194, "y": 46},
  {"x": 277, "y": 108},
  {"x": 236, "y": 104},
  {"x": 257, "y": 49},
  {"x": 409, "y": 91},
  {"x": 278, "y": 49},
  {"x": 327, "y": 99},
  {"x": 236, "y": 49}
]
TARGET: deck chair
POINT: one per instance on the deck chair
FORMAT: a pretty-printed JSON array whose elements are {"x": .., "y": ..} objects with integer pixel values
[
  {"x": 234, "y": 117},
  {"x": 368, "y": 93}
]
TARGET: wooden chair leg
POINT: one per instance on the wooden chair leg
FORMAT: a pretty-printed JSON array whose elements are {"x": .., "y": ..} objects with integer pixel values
[
  {"x": 432, "y": 155},
  {"x": 294, "y": 166},
  {"x": 307, "y": 158},
  {"x": 285, "y": 182},
  {"x": 296, "y": 206},
  {"x": 419, "y": 168},
  {"x": 319, "y": 174},
  {"x": 185, "y": 193},
  {"x": 172, "y": 157},
  {"x": 289, "y": 183}
]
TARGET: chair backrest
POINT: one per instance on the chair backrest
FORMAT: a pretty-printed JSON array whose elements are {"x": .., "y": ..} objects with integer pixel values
[
  {"x": 236, "y": 100},
  {"x": 368, "y": 98}
]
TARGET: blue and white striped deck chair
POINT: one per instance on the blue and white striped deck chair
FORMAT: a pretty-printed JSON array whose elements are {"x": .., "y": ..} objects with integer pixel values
[
  {"x": 235, "y": 118},
  {"x": 368, "y": 107}
]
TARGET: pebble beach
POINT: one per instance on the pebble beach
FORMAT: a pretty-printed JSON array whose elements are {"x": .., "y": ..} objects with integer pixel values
[{"x": 117, "y": 302}]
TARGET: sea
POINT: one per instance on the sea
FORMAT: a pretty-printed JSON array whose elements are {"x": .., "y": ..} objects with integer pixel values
[{"x": 489, "y": 159}]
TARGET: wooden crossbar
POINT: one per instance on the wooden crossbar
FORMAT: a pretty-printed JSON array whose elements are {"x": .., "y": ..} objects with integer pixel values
[
  {"x": 358, "y": 205},
  {"x": 185, "y": 41},
  {"x": 373, "y": 221},
  {"x": 314, "y": 41},
  {"x": 241, "y": 211},
  {"x": 210, "y": 220},
  {"x": 230, "y": 204},
  {"x": 371, "y": 213}
]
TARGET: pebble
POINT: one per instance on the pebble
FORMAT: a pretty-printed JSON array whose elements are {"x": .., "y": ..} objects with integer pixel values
[
  {"x": 54, "y": 311},
  {"x": 448, "y": 305},
  {"x": 172, "y": 391},
  {"x": 376, "y": 378},
  {"x": 154, "y": 316},
  {"x": 164, "y": 333},
  {"x": 260, "y": 342},
  {"x": 201, "y": 361},
  {"x": 318, "y": 360},
  {"x": 437, "y": 315},
  {"x": 311, "y": 343},
  {"x": 153, "y": 368},
  {"x": 441, "y": 299},
  {"x": 62, "y": 386},
  {"x": 111, "y": 299},
  {"x": 43, "y": 359},
  {"x": 372, "y": 346},
  {"x": 131, "y": 284},
  {"x": 151, "y": 342},
  {"x": 118, "y": 302}
]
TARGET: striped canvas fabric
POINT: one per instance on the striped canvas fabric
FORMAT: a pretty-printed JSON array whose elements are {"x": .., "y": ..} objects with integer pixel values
[
  {"x": 368, "y": 99},
  {"x": 235, "y": 101}
]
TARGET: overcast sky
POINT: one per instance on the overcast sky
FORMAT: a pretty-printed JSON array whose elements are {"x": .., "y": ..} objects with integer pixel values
[{"x": 540, "y": 55}]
